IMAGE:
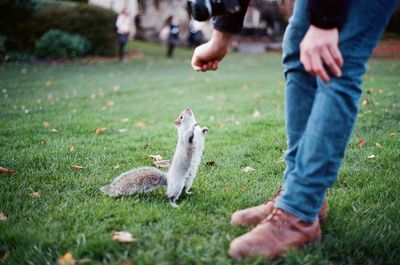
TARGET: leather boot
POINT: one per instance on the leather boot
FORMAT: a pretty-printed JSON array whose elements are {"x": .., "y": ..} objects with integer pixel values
[
  {"x": 254, "y": 215},
  {"x": 274, "y": 236}
]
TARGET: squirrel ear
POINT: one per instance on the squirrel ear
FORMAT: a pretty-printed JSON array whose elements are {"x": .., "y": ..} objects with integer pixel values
[{"x": 204, "y": 130}]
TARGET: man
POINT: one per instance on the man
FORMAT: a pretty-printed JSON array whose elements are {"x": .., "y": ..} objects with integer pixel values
[
  {"x": 123, "y": 25},
  {"x": 325, "y": 49}
]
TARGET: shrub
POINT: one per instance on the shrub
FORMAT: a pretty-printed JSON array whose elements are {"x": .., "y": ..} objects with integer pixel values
[
  {"x": 92, "y": 22},
  {"x": 56, "y": 44}
]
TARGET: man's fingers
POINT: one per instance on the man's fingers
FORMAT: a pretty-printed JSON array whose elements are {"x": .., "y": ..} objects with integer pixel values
[
  {"x": 305, "y": 60},
  {"x": 331, "y": 63},
  {"x": 317, "y": 67},
  {"x": 336, "y": 55}
]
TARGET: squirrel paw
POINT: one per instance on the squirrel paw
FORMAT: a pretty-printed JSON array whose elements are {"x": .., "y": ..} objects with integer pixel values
[
  {"x": 174, "y": 205},
  {"x": 188, "y": 192}
]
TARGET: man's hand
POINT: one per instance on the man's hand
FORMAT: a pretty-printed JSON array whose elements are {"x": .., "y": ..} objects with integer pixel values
[
  {"x": 207, "y": 56},
  {"x": 318, "y": 49}
]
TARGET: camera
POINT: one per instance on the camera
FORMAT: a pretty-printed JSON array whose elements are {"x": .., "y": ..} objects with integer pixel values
[{"x": 203, "y": 10}]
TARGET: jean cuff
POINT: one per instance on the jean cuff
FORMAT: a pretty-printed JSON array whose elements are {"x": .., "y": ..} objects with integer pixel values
[{"x": 281, "y": 205}]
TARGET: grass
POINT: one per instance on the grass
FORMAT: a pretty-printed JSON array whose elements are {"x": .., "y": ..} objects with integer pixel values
[{"x": 71, "y": 215}]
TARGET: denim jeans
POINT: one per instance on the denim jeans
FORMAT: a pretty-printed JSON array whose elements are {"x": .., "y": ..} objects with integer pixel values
[{"x": 320, "y": 116}]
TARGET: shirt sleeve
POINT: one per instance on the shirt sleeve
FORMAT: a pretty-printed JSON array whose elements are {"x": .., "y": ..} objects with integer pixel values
[
  {"x": 327, "y": 14},
  {"x": 232, "y": 23}
]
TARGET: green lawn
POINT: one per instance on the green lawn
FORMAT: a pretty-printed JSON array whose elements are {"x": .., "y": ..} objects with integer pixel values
[{"x": 71, "y": 215}]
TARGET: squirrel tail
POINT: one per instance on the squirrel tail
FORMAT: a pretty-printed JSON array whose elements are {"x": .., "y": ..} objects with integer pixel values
[{"x": 138, "y": 180}]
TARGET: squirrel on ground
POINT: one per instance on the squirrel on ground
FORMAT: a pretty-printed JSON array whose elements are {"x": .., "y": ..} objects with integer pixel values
[{"x": 183, "y": 169}]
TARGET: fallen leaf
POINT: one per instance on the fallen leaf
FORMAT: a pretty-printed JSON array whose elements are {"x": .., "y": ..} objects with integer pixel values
[
  {"x": 4, "y": 255},
  {"x": 245, "y": 87},
  {"x": 361, "y": 142},
  {"x": 124, "y": 262},
  {"x": 3, "y": 217},
  {"x": 116, "y": 88},
  {"x": 124, "y": 119},
  {"x": 72, "y": 149},
  {"x": 48, "y": 83},
  {"x": 43, "y": 142},
  {"x": 243, "y": 187},
  {"x": 75, "y": 167},
  {"x": 372, "y": 156},
  {"x": 141, "y": 123},
  {"x": 100, "y": 131},
  {"x": 211, "y": 164},
  {"x": 221, "y": 125},
  {"x": 378, "y": 145},
  {"x": 248, "y": 169},
  {"x": 162, "y": 163},
  {"x": 123, "y": 237},
  {"x": 392, "y": 134},
  {"x": 156, "y": 157},
  {"x": 110, "y": 103},
  {"x": 367, "y": 101},
  {"x": 34, "y": 194},
  {"x": 46, "y": 124},
  {"x": 116, "y": 166},
  {"x": 54, "y": 130},
  {"x": 66, "y": 259},
  {"x": 256, "y": 114},
  {"x": 257, "y": 96},
  {"x": 7, "y": 171},
  {"x": 280, "y": 161},
  {"x": 122, "y": 130}
]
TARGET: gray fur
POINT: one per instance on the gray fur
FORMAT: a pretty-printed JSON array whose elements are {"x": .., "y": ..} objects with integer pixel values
[{"x": 139, "y": 180}]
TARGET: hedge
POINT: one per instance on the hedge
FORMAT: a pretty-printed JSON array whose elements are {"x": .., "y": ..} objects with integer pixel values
[{"x": 92, "y": 22}]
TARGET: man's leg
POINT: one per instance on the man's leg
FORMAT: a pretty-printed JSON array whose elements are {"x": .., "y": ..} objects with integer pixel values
[{"x": 318, "y": 150}]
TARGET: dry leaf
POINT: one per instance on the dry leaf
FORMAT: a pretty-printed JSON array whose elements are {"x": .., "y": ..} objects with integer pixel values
[
  {"x": 34, "y": 194},
  {"x": 361, "y": 143},
  {"x": 4, "y": 255},
  {"x": 43, "y": 142},
  {"x": 72, "y": 149},
  {"x": 100, "y": 131},
  {"x": 46, "y": 124},
  {"x": 54, "y": 130},
  {"x": 116, "y": 166},
  {"x": 221, "y": 125},
  {"x": 156, "y": 157},
  {"x": 110, "y": 103},
  {"x": 7, "y": 171},
  {"x": 116, "y": 88},
  {"x": 66, "y": 259},
  {"x": 141, "y": 123},
  {"x": 123, "y": 237},
  {"x": 392, "y": 134},
  {"x": 162, "y": 163},
  {"x": 257, "y": 96},
  {"x": 3, "y": 217},
  {"x": 280, "y": 161},
  {"x": 75, "y": 167},
  {"x": 256, "y": 114},
  {"x": 248, "y": 169},
  {"x": 124, "y": 262},
  {"x": 378, "y": 145},
  {"x": 122, "y": 130},
  {"x": 211, "y": 164},
  {"x": 48, "y": 83},
  {"x": 124, "y": 119},
  {"x": 243, "y": 187},
  {"x": 245, "y": 87},
  {"x": 372, "y": 156},
  {"x": 367, "y": 101}
]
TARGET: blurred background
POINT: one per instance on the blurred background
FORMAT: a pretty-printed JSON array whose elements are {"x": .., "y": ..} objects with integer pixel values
[{"x": 50, "y": 29}]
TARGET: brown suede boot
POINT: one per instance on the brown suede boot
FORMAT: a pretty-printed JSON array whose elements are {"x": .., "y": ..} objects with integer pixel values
[
  {"x": 254, "y": 215},
  {"x": 274, "y": 236}
]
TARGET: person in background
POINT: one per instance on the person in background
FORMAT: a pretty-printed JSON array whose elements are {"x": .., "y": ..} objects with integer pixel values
[
  {"x": 196, "y": 36},
  {"x": 173, "y": 36},
  {"x": 123, "y": 26}
]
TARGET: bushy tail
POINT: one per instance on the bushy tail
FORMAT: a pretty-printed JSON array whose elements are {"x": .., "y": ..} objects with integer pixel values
[{"x": 138, "y": 180}]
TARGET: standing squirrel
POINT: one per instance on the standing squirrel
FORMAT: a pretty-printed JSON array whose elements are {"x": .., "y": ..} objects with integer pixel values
[{"x": 181, "y": 173}]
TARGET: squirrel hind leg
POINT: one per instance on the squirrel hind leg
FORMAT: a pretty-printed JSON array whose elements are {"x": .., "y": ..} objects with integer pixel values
[
  {"x": 108, "y": 190},
  {"x": 172, "y": 201}
]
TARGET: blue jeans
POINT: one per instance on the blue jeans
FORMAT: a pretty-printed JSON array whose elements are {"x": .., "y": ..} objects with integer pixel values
[{"x": 320, "y": 116}]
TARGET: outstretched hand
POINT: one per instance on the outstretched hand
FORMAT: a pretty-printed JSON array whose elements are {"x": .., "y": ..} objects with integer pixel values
[
  {"x": 207, "y": 56},
  {"x": 318, "y": 49}
]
